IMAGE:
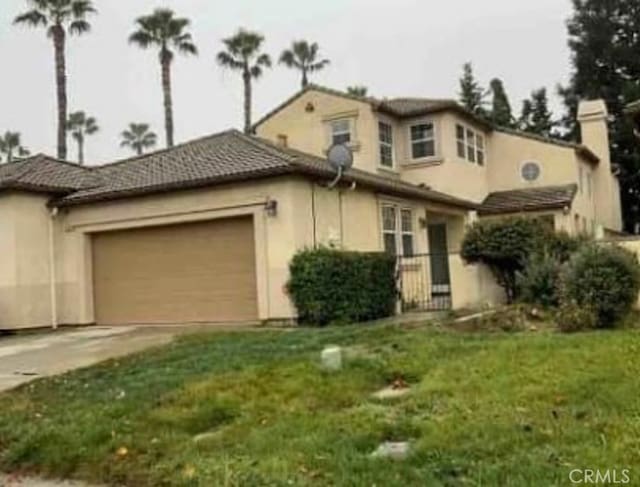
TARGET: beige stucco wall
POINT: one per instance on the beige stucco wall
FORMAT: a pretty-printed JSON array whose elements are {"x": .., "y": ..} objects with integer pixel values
[
  {"x": 308, "y": 215},
  {"x": 305, "y": 123},
  {"x": 25, "y": 276}
]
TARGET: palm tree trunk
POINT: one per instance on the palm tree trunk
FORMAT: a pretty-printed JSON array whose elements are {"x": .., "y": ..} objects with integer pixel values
[
  {"x": 168, "y": 102},
  {"x": 81, "y": 151},
  {"x": 10, "y": 155},
  {"x": 246, "y": 77},
  {"x": 305, "y": 79},
  {"x": 61, "y": 87},
  {"x": 139, "y": 149}
]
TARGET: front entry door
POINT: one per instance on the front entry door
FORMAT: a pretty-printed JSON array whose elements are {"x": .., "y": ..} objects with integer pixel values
[{"x": 439, "y": 260}]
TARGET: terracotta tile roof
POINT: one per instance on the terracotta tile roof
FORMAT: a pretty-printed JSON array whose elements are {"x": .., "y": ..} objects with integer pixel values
[
  {"x": 222, "y": 158},
  {"x": 397, "y": 107},
  {"x": 530, "y": 199},
  {"x": 45, "y": 174}
]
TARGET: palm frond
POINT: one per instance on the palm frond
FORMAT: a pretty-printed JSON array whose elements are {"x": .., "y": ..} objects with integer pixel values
[
  {"x": 81, "y": 8},
  {"x": 264, "y": 60},
  {"x": 256, "y": 71},
  {"x": 142, "y": 38},
  {"x": 33, "y": 18},
  {"x": 228, "y": 61},
  {"x": 288, "y": 58},
  {"x": 79, "y": 27}
]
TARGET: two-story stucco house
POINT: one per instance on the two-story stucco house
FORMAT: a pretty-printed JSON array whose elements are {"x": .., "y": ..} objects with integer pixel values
[
  {"x": 436, "y": 143},
  {"x": 205, "y": 231}
]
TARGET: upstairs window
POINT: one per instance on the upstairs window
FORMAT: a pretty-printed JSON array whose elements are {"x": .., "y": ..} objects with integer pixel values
[
  {"x": 471, "y": 145},
  {"x": 423, "y": 142},
  {"x": 340, "y": 132},
  {"x": 385, "y": 137}
]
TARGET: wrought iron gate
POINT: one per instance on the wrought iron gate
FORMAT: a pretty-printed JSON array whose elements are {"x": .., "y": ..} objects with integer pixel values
[{"x": 424, "y": 282}]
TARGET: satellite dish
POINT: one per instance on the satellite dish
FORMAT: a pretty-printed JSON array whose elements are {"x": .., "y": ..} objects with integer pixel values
[{"x": 340, "y": 158}]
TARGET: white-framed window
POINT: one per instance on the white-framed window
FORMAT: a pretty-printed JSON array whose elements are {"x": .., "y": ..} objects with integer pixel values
[
  {"x": 340, "y": 131},
  {"x": 397, "y": 229},
  {"x": 406, "y": 230},
  {"x": 385, "y": 138},
  {"x": 390, "y": 229},
  {"x": 530, "y": 171},
  {"x": 471, "y": 145},
  {"x": 423, "y": 140}
]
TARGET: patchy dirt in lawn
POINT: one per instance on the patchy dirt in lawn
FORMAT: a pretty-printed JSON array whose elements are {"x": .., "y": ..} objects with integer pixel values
[{"x": 19, "y": 481}]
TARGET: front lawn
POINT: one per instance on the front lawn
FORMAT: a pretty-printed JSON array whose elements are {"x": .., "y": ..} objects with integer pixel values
[{"x": 253, "y": 408}]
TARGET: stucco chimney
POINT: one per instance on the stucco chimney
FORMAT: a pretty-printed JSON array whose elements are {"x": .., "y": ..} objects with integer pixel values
[{"x": 593, "y": 117}]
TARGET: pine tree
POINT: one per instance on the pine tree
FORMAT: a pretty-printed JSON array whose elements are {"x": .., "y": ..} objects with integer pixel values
[
  {"x": 604, "y": 37},
  {"x": 471, "y": 93},
  {"x": 536, "y": 117},
  {"x": 501, "y": 114}
]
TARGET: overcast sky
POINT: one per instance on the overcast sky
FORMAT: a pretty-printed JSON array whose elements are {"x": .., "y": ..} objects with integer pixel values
[{"x": 396, "y": 48}]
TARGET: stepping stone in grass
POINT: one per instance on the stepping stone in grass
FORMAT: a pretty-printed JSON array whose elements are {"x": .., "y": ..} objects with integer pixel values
[{"x": 394, "y": 450}]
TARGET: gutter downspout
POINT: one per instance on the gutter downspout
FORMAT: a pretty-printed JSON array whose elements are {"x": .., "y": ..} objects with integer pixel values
[{"x": 52, "y": 270}]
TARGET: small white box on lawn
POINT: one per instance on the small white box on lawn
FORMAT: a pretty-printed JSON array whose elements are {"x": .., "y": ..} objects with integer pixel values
[{"x": 332, "y": 358}]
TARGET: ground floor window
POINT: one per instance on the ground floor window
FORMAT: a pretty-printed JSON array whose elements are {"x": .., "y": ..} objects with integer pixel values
[{"x": 397, "y": 229}]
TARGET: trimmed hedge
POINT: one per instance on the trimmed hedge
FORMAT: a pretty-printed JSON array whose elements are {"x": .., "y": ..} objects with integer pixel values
[{"x": 335, "y": 287}]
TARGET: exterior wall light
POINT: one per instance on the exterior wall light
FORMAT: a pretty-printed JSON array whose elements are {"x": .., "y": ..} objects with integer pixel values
[{"x": 271, "y": 207}]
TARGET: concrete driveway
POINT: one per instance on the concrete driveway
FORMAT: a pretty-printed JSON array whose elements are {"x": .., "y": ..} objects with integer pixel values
[{"x": 28, "y": 357}]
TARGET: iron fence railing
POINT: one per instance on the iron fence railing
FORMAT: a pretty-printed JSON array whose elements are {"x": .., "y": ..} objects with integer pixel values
[{"x": 424, "y": 282}]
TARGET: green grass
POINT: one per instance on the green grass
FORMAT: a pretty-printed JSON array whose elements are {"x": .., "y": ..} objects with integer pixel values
[{"x": 484, "y": 409}]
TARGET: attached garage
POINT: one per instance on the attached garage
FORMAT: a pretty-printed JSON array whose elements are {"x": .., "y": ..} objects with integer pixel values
[{"x": 187, "y": 273}]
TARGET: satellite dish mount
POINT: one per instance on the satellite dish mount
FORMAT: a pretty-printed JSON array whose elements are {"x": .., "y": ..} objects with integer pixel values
[{"x": 340, "y": 158}]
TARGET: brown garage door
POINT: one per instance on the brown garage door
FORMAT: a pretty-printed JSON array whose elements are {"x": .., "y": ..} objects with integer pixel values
[{"x": 196, "y": 272}]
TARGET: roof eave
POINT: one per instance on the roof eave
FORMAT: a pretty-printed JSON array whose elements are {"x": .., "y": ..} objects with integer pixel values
[{"x": 524, "y": 209}]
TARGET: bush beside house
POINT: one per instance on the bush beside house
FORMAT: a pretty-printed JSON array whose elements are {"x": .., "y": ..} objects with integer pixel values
[
  {"x": 504, "y": 246},
  {"x": 335, "y": 287},
  {"x": 604, "y": 279},
  {"x": 586, "y": 285}
]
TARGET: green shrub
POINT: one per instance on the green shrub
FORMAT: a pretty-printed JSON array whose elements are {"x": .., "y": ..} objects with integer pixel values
[
  {"x": 539, "y": 283},
  {"x": 504, "y": 246},
  {"x": 331, "y": 286},
  {"x": 571, "y": 317},
  {"x": 603, "y": 278},
  {"x": 561, "y": 246}
]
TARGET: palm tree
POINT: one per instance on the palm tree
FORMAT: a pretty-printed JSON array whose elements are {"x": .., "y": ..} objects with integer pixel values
[
  {"x": 357, "y": 90},
  {"x": 162, "y": 29},
  {"x": 80, "y": 126},
  {"x": 59, "y": 17},
  {"x": 10, "y": 144},
  {"x": 138, "y": 137},
  {"x": 243, "y": 54},
  {"x": 304, "y": 57}
]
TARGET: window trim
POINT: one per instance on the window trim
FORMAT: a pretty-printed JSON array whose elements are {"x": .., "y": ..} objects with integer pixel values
[
  {"x": 398, "y": 232},
  {"x": 390, "y": 145},
  {"x": 475, "y": 147},
  {"x": 332, "y": 134},
  {"x": 415, "y": 123}
]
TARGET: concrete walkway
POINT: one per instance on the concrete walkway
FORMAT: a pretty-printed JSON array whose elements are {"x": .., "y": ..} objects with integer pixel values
[{"x": 28, "y": 357}]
